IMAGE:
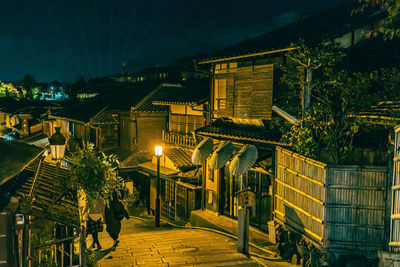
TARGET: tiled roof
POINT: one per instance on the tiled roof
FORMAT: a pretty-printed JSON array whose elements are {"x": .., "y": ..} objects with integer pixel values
[
  {"x": 51, "y": 199},
  {"x": 14, "y": 156},
  {"x": 388, "y": 112},
  {"x": 120, "y": 97},
  {"x": 313, "y": 28},
  {"x": 13, "y": 106},
  {"x": 239, "y": 132},
  {"x": 192, "y": 92},
  {"x": 180, "y": 157},
  {"x": 134, "y": 159},
  {"x": 150, "y": 166},
  {"x": 165, "y": 89},
  {"x": 105, "y": 117},
  {"x": 40, "y": 140}
]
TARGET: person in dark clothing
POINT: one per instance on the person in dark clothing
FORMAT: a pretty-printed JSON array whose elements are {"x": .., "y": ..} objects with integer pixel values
[
  {"x": 114, "y": 213},
  {"x": 94, "y": 212}
]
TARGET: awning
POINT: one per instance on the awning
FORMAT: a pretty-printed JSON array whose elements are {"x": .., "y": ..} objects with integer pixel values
[
  {"x": 202, "y": 151},
  {"x": 180, "y": 157},
  {"x": 243, "y": 160},
  {"x": 152, "y": 167},
  {"x": 221, "y": 155}
]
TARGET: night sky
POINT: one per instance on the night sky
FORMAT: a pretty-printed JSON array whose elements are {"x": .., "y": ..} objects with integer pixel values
[{"x": 59, "y": 40}]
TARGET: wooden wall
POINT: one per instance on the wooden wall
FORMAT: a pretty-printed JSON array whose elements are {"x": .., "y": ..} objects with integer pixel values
[
  {"x": 395, "y": 209},
  {"x": 248, "y": 91},
  {"x": 150, "y": 128},
  {"x": 300, "y": 193},
  {"x": 355, "y": 207},
  {"x": 341, "y": 208},
  {"x": 127, "y": 132}
]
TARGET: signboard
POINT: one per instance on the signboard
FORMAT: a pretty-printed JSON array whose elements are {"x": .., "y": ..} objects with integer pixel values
[
  {"x": 19, "y": 219},
  {"x": 246, "y": 198}
]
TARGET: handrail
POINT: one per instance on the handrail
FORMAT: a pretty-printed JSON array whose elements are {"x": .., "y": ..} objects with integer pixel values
[
  {"x": 48, "y": 243},
  {"x": 178, "y": 139}
]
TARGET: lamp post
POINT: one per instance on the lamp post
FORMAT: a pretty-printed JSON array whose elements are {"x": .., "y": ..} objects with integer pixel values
[
  {"x": 57, "y": 144},
  {"x": 158, "y": 154},
  {"x": 57, "y": 147}
]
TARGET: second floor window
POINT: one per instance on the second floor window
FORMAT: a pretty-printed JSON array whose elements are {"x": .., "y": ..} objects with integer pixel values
[
  {"x": 219, "y": 94},
  {"x": 185, "y": 123}
]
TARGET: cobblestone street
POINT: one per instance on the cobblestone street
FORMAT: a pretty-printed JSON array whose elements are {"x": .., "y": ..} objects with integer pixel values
[{"x": 144, "y": 245}]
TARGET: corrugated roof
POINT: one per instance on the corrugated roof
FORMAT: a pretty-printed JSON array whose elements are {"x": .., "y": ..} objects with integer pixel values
[
  {"x": 239, "y": 132},
  {"x": 313, "y": 28}
]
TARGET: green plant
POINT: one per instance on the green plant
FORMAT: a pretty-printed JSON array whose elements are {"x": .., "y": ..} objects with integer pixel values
[
  {"x": 96, "y": 173},
  {"x": 337, "y": 95}
]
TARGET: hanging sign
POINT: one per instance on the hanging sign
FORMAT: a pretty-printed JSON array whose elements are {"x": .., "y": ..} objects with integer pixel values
[{"x": 246, "y": 198}]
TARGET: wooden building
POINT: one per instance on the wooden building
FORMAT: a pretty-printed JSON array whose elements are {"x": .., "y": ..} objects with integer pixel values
[
  {"x": 187, "y": 111},
  {"x": 245, "y": 95},
  {"x": 102, "y": 119}
]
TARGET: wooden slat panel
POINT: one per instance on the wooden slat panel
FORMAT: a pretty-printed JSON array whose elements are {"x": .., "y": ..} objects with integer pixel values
[
  {"x": 343, "y": 204},
  {"x": 300, "y": 194},
  {"x": 355, "y": 208}
]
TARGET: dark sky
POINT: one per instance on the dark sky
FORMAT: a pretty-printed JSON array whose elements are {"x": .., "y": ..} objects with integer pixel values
[{"x": 59, "y": 40}]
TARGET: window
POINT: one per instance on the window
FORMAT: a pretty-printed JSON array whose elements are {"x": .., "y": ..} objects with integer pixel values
[
  {"x": 219, "y": 94},
  {"x": 185, "y": 123}
]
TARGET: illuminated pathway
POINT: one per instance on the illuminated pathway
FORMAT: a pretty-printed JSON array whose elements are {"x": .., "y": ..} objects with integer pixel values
[{"x": 143, "y": 245}]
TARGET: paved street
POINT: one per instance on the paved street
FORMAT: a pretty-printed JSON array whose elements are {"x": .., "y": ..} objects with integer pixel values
[{"x": 143, "y": 245}]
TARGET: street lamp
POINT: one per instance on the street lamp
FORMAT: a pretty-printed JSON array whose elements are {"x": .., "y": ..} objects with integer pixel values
[
  {"x": 158, "y": 154},
  {"x": 57, "y": 144}
]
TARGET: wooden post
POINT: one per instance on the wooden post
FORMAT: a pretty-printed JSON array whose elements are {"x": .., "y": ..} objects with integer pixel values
[
  {"x": 243, "y": 230},
  {"x": 62, "y": 254},
  {"x": 203, "y": 186},
  {"x": 232, "y": 196},
  {"x": 82, "y": 247},
  {"x": 71, "y": 253}
]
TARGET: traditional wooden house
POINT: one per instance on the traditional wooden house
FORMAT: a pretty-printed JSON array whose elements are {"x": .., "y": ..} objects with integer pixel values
[
  {"x": 21, "y": 116},
  {"x": 100, "y": 120},
  {"x": 245, "y": 95},
  {"x": 187, "y": 111}
]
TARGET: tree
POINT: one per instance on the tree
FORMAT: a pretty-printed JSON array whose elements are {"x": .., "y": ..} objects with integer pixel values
[
  {"x": 96, "y": 173},
  {"x": 31, "y": 86},
  {"x": 390, "y": 26},
  {"x": 323, "y": 55},
  {"x": 337, "y": 95}
]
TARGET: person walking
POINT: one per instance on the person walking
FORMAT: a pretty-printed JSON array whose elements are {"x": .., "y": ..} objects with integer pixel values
[
  {"x": 114, "y": 213},
  {"x": 94, "y": 222}
]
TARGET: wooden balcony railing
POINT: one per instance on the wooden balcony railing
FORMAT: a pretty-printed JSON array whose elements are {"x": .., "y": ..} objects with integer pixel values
[{"x": 178, "y": 139}]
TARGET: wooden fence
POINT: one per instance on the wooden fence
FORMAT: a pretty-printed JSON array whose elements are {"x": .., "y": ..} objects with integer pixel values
[
  {"x": 395, "y": 209},
  {"x": 337, "y": 207}
]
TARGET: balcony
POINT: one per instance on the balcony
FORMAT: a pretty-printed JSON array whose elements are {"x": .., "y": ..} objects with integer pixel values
[{"x": 178, "y": 139}]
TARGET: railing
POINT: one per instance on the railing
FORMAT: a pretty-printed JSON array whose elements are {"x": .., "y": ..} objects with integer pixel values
[
  {"x": 59, "y": 252},
  {"x": 178, "y": 139},
  {"x": 178, "y": 199}
]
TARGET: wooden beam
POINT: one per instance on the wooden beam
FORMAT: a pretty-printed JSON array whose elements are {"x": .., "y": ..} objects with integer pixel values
[
  {"x": 301, "y": 175},
  {"x": 248, "y": 55},
  {"x": 300, "y": 192},
  {"x": 300, "y": 209}
]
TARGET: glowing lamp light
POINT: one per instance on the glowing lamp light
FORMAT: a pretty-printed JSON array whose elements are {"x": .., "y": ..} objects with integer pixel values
[
  {"x": 57, "y": 144},
  {"x": 158, "y": 151}
]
